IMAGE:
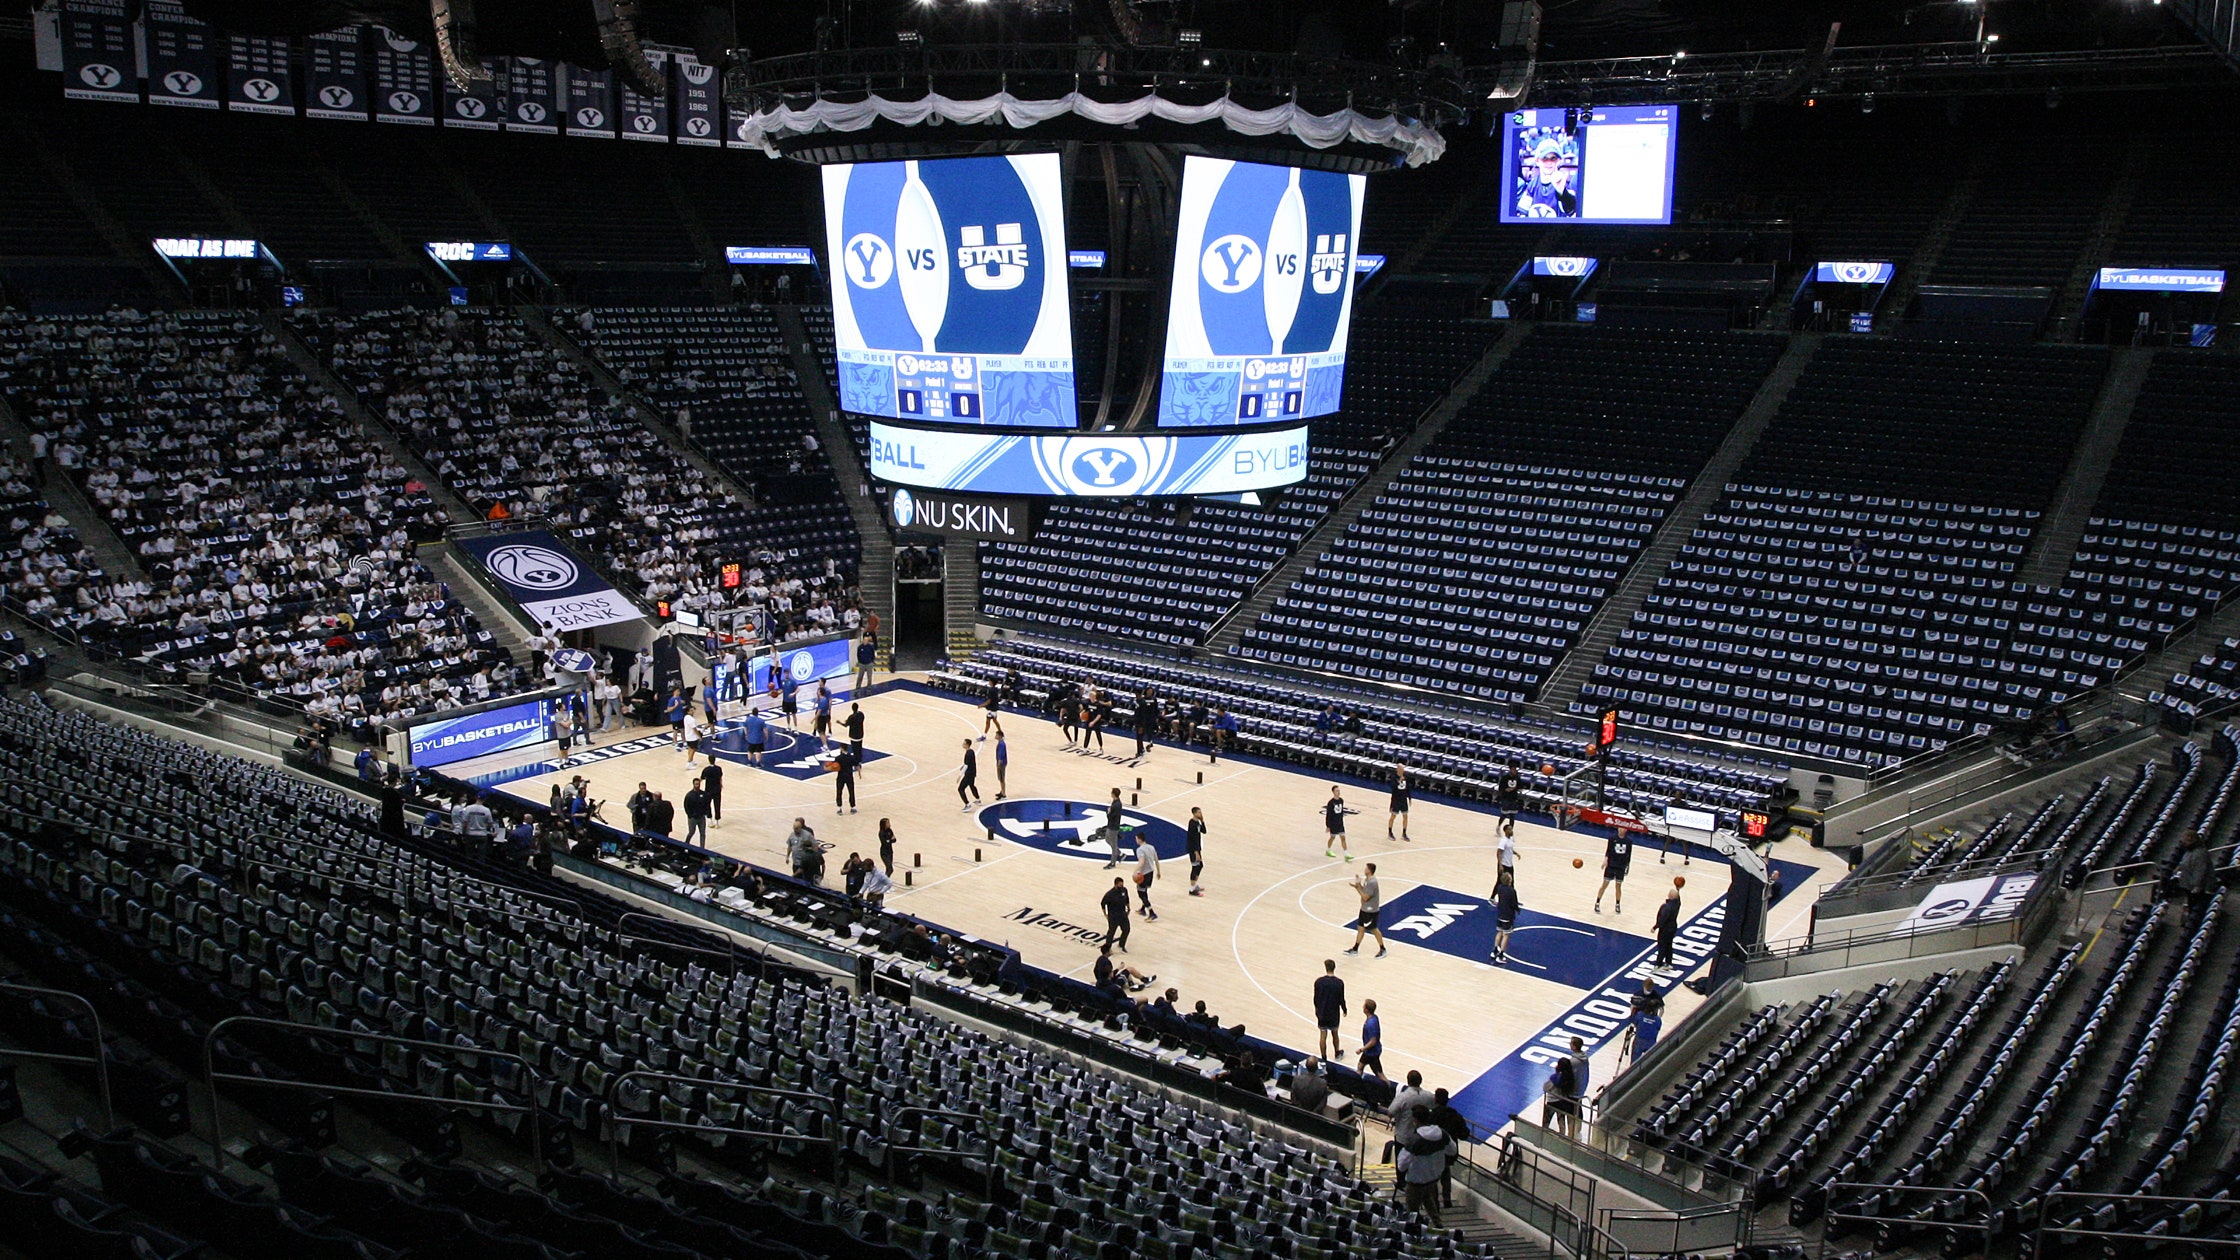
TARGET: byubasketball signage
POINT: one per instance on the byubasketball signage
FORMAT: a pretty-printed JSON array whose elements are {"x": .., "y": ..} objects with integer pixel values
[
  {"x": 548, "y": 581},
  {"x": 950, "y": 304},
  {"x": 1262, "y": 293}
]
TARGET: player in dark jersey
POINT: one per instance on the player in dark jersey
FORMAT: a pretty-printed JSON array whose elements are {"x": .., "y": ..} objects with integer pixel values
[
  {"x": 1194, "y": 845},
  {"x": 1617, "y": 856},
  {"x": 1508, "y": 798},
  {"x": 1399, "y": 809},
  {"x": 1334, "y": 813}
]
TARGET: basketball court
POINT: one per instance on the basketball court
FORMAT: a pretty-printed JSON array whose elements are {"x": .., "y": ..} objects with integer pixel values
[{"x": 1027, "y": 871}]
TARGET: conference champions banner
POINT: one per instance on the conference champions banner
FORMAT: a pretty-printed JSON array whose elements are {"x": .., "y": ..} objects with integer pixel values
[
  {"x": 1123, "y": 465},
  {"x": 404, "y": 80},
  {"x": 100, "y": 51},
  {"x": 448, "y": 740},
  {"x": 548, "y": 581},
  {"x": 182, "y": 57},
  {"x": 532, "y": 96},
  {"x": 334, "y": 76},
  {"x": 645, "y": 117},
  {"x": 258, "y": 78},
  {"x": 590, "y": 101},
  {"x": 1262, "y": 293}
]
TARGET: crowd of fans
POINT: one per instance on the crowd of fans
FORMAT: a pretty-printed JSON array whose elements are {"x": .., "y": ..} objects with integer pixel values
[
  {"x": 276, "y": 544},
  {"x": 520, "y": 430}
]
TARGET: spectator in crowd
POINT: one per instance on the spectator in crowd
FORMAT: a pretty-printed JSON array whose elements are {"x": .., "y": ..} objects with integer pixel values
[{"x": 1308, "y": 1088}]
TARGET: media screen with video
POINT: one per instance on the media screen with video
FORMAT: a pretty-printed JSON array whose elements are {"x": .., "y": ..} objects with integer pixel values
[
  {"x": 949, "y": 290},
  {"x": 1262, "y": 293},
  {"x": 1600, "y": 164}
]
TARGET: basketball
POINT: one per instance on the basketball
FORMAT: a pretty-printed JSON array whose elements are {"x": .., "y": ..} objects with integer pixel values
[
  {"x": 1576, "y": 863},
  {"x": 1548, "y": 768},
  {"x": 1679, "y": 881}
]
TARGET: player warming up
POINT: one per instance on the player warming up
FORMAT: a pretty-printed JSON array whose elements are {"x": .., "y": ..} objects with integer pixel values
[
  {"x": 1372, "y": 906},
  {"x": 1334, "y": 813},
  {"x": 1617, "y": 856},
  {"x": 968, "y": 775},
  {"x": 1399, "y": 808},
  {"x": 1194, "y": 846}
]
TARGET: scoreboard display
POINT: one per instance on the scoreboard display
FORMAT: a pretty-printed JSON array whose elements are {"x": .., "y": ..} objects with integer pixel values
[
  {"x": 949, "y": 305},
  {"x": 1262, "y": 293}
]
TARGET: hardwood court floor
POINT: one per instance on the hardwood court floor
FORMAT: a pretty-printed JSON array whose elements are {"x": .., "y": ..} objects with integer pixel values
[{"x": 1274, "y": 907}]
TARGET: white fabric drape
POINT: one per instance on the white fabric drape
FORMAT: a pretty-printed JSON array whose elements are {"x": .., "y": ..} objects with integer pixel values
[{"x": 1417, "y": 142}]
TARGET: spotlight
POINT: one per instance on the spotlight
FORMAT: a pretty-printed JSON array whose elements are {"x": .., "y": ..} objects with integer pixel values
[
  {"x": 1189, "y": 37},
  {"x": 907, "y": 38}
]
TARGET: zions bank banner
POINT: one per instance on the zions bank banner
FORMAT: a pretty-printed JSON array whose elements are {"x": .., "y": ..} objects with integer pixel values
[{"x": 548, "y": 581}]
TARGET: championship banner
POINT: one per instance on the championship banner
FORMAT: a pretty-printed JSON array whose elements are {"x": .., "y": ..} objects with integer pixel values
[
  {"x": 699, "y": 96},
  {"x": 531, "y": 99},
  {"x": 475, "y": 109},
  {"x": 257, "y": 75},
  {"x": 335, "y": 75},
  {"x": 404, "y": 80},
  {"x": 590, "y": 101},
  {"x": 182, "y": 57},
  {"x": 646, "y": 117},
  {"x": 548, "y": 581},
  {"x": 100, "y": 54}
]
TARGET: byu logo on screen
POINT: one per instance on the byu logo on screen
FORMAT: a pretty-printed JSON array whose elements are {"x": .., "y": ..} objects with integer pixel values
[
  {"x": 996, "y": 267},
  {"x": 1858, "y": 272},
  {"x": 1231, "y": 263},
  {"x": 1571, "y": 267},
  {"x": 533, "y": 567},
  {"x": 905, "y": 509},
  {"x": 802, "y": 666},
  {"x": 183, "y": 82},
  {"x": 1105, "y": 467},
  {"x": 869, "y": 261}
]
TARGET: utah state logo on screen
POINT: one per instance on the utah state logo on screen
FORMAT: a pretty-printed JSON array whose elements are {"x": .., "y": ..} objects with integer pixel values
[
  {"x": 942, "y": 257},
  {"x": 1272, "y": 270}
]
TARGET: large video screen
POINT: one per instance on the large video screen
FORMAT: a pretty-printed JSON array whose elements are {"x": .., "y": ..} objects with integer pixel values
[
  {"x": 1262, "y": 293},
  {"x": 949, "y": 301},
  {"x": 1606, "y": 164}
]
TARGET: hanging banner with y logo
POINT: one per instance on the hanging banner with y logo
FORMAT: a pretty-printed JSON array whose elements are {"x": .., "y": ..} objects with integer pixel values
[
  {"x": 182, "y": 57},
  {"x": 645, "y": 116},
  {"x": 335, "y": 75},
  {"x": 475, "y": 109},
  {"x": 699, "y": 96},
  {"x": 404, "y": 79},
  {"x": 590, "y": 100},
  {"x": 258, "y": 78},
  {"x": 100, "y": 52},
  {"x": 531, "y": 100}
]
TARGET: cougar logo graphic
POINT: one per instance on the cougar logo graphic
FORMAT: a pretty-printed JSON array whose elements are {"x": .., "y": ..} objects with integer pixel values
[
  {"x": 996, "y": 267},
  {"x": 1231, "y": 263},
  {"x": 869, "y": 261},
  {"x": 1329, "y": 262}
]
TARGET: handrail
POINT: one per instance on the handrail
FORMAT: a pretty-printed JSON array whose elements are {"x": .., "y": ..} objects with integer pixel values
[
  {"x": 979, "y": 1125},
  {"x": 730, "y": 954},
  {"x": 99, "y": 1058},
  {"x": 211, "y": 1076},
  {"x": 617, "y": 1121},
  {"x": 1846, "y": 1192},
  {"x": 2049, "y": 1226}
]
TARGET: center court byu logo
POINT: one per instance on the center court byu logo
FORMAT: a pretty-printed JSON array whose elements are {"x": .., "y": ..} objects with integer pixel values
[
  {"x": 1076, "y": 828},
  {"x": 996, "y": 267},
  {"x": 532, "y": 567},
  {"x": 1231, "y": 264}
]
